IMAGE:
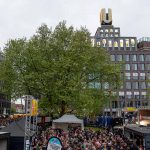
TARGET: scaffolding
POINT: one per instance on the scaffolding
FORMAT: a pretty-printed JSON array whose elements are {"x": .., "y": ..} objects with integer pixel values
[{"x": 30, "y": 121}]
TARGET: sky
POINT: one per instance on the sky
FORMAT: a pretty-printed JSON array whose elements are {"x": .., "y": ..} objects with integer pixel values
[{"x": 21, "y": 18}]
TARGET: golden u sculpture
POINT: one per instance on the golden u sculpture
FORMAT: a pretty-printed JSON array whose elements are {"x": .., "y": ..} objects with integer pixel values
[{"x": 106, "y": 18}]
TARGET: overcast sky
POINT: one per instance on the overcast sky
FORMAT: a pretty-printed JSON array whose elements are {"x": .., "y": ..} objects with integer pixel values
[{"x": 21, "y": 18}]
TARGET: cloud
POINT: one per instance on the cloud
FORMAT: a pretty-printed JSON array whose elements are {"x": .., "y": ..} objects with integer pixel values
[{"x": 21, "y": 18}]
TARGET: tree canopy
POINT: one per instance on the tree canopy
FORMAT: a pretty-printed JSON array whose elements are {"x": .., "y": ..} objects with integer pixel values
[{"x": 61, "y": 68}]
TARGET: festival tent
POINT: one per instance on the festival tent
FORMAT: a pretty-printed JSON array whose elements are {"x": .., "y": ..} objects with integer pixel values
[{"x": 67, "y": 121}]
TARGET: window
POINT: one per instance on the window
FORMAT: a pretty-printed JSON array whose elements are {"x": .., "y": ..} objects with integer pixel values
[
  {"x": 97, "y": 85},
  {"x": 135, "y": 85},
  {"x": 142, "y": 76},
  {"x": 143, "y": 85},
  {"x": 115, "y": 44},
  {"x": 106, "y": 35},
  {"x": 106, "y": 85},
  {"x": 133, "y": 57},
  {"x": 145, "y": 103},
  {"x": 91, "y": 76},
  {"x": 129, "y": 103},
  {"x": 128, "y": 76},
  {"x": 134, "y": 66},
  {"x": 147, "y": 57},
  {"x": 128, "y": 85},
  {"x": 91, "y": 85},
  {"x": 142, "y": 66},
  {"x": 132, "y": 42},
  {"x": 110, "y": 43},
  {"x": 101, "y": 30},
  {"x": 104, "y": 42},
  {"x": 141, "y": 57},
  {"x": 111, "y": 30},
  {"x": 143, "y": 95},
  {"x": 98, "y": 43},
  {"x": 122, "y": 97},
  {"x": 121, "y": 93},
  {"x": 137, "y": 104},
  {"x": 136, "y": 95},
  {"x": 121, "y": 43},
  {"x": 129, "y": 94},
  {"x": 148, "y": 66},
  {"x": 119, "y": 57},
  {"x": 127, "y": 42},
  {"x": 135, "y": 76},
  {"x": 148, "y": 85},
  {"x": 116, "y": 30},
  {"x": 148, "y": 76},
  {"x": 126, "y": 57},
  {"x": 127, "y": 66},
  {"x": 106, "y": 30},
  {"x": 112, "y": 57}
]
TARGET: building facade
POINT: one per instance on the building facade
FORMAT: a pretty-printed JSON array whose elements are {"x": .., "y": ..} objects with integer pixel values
[
  {"x": 134, "y": 54},
  {"x": 5, "y": 102}
]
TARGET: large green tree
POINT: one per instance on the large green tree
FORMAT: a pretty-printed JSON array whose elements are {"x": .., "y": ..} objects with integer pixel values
[{"x": 60, "y": 67}]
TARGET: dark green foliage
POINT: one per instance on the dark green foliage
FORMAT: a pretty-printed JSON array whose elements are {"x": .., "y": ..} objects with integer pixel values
[{"x": 55, "y": 65}]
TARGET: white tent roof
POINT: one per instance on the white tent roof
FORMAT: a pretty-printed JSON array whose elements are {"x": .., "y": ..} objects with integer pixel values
[{"x": 68, "y": 119}]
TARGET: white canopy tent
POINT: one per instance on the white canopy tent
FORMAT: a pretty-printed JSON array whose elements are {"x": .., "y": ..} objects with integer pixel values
[{"x": 67, "y": 121}]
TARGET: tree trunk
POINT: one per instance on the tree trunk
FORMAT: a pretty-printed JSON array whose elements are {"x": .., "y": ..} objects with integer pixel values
[{"x": 63, "y": 108}]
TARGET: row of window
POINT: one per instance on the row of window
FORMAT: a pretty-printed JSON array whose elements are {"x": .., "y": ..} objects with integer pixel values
[
  {"x": 128, "y": 85},
  {"x": 136, "y": 97},
  {"x": 137, "y": 66},
  {"x": 134, "y": 57},
  {"x": 2, "y": 105},
  {"x": 136, "y": 76},
  {"x": 136, "y": 85},
  {"x": 109, "y": 35},
  {"x": 115, "y": 42},
  {"x": 109, "y": 30},
  {"x": 98, "y": 85},
  {"x": 5, "y": 112},
  {"x": 130, "y": 93},
  {"x": 136, "y": 104}
]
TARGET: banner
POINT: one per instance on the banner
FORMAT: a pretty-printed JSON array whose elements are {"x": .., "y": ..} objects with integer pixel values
[{"x": 34, "y": 110}]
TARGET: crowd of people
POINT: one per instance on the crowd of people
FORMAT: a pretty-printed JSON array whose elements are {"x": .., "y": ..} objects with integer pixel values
[
  {"x": 77, "y": 139},
  {"x": 88, "y": 139},
  {"x": 6, "y": 120}
]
